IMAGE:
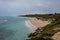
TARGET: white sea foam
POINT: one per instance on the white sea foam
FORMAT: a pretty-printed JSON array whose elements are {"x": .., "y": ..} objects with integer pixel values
[
  {"x": 3, "y": 21},
  {"x": 29, "y": 25}
]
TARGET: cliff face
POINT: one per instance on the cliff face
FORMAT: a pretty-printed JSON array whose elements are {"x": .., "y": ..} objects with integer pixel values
[
  {"x": 48, "y": 31},
  {"x": 45, "y": 33}
]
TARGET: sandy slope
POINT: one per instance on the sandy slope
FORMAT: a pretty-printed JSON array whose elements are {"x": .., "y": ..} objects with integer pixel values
[
  {"x": 34, "y": 23},
  {"x": 56, "y": 36}
]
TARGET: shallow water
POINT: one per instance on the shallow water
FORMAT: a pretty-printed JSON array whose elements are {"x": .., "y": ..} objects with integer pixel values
[{"x": 13, "y": 28}]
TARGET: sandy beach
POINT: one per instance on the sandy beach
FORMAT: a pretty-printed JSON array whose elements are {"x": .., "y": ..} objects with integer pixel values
[{"x": 35, "y": 23}]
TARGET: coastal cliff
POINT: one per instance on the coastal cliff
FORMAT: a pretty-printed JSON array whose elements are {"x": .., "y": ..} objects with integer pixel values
[{"x": 48, "y": 31}]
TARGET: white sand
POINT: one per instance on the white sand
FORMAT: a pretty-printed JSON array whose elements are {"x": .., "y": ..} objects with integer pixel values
[{"x": 39, "y": 23}]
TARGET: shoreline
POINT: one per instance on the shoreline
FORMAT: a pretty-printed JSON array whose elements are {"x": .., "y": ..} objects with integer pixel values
[{"x": 30, "y": 25}]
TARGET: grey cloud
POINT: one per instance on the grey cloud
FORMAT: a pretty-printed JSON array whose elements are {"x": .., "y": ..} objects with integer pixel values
[{"x": 24, "y": 6}]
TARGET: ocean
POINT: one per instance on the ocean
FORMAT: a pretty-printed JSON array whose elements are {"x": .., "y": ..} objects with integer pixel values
[{"x": 13, "y": 28}]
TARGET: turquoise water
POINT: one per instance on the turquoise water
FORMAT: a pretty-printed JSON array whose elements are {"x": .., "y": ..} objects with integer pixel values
[{"x": 13, "y": 28}]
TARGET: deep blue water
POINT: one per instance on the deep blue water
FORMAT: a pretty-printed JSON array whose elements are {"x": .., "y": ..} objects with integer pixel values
[{"x": 12, "y": 28}]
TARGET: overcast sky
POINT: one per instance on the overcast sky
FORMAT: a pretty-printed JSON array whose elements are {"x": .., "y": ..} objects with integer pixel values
[{"x": 19, "y": 7}]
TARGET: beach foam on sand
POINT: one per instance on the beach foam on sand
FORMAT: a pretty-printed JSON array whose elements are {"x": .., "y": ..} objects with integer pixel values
[
  {"x": 30, "y": 25},
  {"x": 34, "y": 23}
]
